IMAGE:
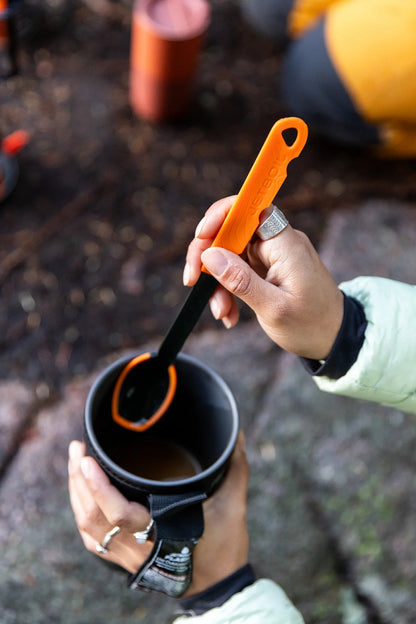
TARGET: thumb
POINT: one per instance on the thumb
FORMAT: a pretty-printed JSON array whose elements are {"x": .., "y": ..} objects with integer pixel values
[
  {"x": 238, "y": 472},
  {"x": 237, "y": 277}
]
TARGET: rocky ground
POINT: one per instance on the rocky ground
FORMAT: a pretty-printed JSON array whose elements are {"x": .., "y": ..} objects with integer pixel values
[{"x": 91, "y": 254}]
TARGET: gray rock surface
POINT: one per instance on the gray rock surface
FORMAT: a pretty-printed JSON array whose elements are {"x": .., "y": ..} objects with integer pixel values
[{"x": 332, "y": 490}]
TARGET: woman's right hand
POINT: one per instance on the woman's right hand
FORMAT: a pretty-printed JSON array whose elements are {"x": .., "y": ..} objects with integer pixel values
[{"x": 284, "y": 281}]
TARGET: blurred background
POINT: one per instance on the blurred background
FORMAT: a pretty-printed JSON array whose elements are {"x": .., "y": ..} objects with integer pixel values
[{"x": 94, "y": 235}]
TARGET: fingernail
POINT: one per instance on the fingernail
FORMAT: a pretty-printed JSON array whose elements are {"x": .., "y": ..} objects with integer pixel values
[
  {"x": 186, "y": 275},
  {"x": 214, "y": 309},
  {"x": 200, "y": 226},
  {"x": 215, "y": 261},
  {"x": 85, "y": 467},
  {"x": 73, "y": 450}
]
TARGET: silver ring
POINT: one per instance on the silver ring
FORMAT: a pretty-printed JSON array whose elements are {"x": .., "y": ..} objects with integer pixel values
[
  {"x": 102, "y": 548},
  {"x": 273, "y": 221},
  {"x": 142, "y": 536}
]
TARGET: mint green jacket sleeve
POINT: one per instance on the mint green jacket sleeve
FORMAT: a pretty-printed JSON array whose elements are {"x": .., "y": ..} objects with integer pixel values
[
  {"x": 264, "y": 602},
  {"x": 385, "y": 370}
]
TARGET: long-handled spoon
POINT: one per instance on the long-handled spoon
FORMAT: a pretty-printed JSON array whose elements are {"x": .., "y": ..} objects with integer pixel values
[{"x": 147, "y": 385}]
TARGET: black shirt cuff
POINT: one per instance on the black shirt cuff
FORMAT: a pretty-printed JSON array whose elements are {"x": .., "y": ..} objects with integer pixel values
[
  {"x": 347, "y": 345},
  {"x": 219, "y": 593}
]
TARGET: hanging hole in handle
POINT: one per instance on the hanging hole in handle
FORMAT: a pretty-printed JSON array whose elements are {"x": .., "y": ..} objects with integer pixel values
[
  {"x": 290, "y": 136},
  {"x": 294, "y": 133}
]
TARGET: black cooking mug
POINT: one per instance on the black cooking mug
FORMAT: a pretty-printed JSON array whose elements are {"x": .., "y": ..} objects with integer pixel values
[{"x": 170, "y": 468}]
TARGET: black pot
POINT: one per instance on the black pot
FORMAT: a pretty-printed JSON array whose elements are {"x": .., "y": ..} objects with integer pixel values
[{"x": 202, "y": 420}]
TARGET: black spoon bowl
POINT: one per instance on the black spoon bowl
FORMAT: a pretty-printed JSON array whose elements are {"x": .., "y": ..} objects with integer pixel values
[{"x": 147, "y": 385}]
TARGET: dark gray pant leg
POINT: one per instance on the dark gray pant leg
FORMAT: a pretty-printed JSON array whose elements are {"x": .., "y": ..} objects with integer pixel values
[
  {"x": 313, "y": 91},
  {"x": 269, "y": 17}
]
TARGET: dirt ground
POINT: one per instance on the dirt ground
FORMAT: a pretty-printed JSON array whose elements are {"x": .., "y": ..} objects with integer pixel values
[{"x": 92, "y": 240}]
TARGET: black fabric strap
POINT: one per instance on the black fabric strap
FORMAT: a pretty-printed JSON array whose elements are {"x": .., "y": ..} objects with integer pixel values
[
  {"x": 179, "y": 523},
  {"x": 218, "y": 594},
  {"x": 347, "y": 345},
  {"x": 178, "y": 516}
]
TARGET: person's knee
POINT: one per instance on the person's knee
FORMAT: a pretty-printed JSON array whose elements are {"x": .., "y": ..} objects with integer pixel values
[{"x": 269, "y": 17}]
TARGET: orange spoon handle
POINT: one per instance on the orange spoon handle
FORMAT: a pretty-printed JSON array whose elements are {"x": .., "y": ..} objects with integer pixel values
[{"x": 265, "y": 178}]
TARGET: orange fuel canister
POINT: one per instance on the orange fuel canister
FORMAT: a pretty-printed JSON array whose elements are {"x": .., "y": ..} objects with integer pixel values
[{"x": 166, "y": 41}]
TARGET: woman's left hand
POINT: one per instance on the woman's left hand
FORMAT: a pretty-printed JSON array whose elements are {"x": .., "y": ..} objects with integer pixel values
[{"x": 99, "y": 507}]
